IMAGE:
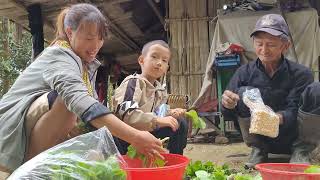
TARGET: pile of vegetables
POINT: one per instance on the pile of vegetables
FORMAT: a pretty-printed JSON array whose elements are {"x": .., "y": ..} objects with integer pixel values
[
  {"x": 209, "y": 171},
  {"x": 91, "y": 156},
  {"x": 66, "y": 165}
]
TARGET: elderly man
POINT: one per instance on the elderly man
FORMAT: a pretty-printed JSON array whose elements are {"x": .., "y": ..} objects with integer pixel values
[{"x": 280, "y": 82}]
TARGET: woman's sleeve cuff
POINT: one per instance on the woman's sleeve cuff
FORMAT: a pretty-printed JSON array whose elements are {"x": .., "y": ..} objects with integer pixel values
[{"x": 94, "y": 111}]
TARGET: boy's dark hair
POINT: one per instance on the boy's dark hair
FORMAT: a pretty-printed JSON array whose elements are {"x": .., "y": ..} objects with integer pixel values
[{"x": 146, "y": 47}]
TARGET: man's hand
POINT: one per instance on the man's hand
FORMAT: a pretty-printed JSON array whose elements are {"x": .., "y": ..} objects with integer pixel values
[
  {"x": 148, "y": 145},
  {"x": 230, "y": 99},
  {"x": 280, "y": 118},
  {"x": 168, "y": 121},
  {"x": 177, "y": 113}
]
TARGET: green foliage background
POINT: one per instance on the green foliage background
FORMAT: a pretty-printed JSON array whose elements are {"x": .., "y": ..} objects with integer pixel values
[{"x": 15, "y": 54}]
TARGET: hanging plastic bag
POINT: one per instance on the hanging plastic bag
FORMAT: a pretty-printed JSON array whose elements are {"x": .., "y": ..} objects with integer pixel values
[
  {"x": 162, "y": 110},
  {"x": 89, "y": 156},
  {"x": 264, "y": 120}
]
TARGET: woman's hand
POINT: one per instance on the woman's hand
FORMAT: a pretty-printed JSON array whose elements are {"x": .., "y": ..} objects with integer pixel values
[{"x": 148, "y": 145}]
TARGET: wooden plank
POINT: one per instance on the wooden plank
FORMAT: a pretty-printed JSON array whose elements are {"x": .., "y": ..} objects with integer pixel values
[
  {"x": 18, "y": 33},
  {"x": 6, "y": 5},
  {"x": 116, "y": 2},
  {"x": 123, "y": 17},
  {"x": 12, "y": 13},
  {"x": 156, "y": 11},
  {"x": 124, "y": 38}
]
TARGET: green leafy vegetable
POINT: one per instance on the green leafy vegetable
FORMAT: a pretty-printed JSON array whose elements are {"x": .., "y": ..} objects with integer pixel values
[
  {"x": 312, "y": 169},
  {"x": 201, "y": 174},
  {"x": 146, "y": 162},
  {"x": 209, "y": 171},
  {"x": 196, "y": 171},
  {"x": 68, "y": 166},
  {"x": 197, "y": 122},
  {"x": 257, "y": 177},
  {"x": 241, "y": 176}
]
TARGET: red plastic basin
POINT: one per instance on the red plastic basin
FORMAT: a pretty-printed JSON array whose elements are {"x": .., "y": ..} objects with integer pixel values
[
  {"x": 174, "y": 169},
  {"x": 285, "y": 171}
]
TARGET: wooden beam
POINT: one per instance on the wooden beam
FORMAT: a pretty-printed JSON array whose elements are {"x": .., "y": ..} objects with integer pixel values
[
  {"x": 19, "y": 5},
  {"x": 36, "y": 28},
  {"x": 124, "y": 16},
  {"x": 119, "y": 1},
  {"x": 120, "y": 34},
  {"x": 117, "y": 32},
  {"x": 156, "y": 11},
  {"x": 153, "y": 28}
]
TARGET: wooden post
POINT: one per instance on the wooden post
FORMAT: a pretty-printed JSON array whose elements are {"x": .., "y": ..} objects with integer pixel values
[
  {"x": 5, "y": 30},
  {"x": 18, "y": 33},
  {"x": 36, "y": 28}
]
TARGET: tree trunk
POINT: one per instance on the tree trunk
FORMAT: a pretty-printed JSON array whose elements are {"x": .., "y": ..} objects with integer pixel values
[
  {"x": 5, "y": 77},
  {"x": 18, "y": 33},
  {"x": 5, "y": 36}
]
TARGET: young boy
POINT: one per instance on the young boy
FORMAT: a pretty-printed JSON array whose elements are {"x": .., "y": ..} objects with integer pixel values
[{"x": 140, "y": 95}]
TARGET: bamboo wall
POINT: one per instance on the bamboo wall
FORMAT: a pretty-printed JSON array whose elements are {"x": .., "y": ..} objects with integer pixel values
[{"x": 190, "y": 34}]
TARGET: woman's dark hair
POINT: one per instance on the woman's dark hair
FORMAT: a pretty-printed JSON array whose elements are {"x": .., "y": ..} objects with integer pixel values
[{"x": 77, "y": 14}]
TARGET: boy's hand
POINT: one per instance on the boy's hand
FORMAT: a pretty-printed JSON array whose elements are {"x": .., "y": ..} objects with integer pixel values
[
  {"x": 168, "y": 121},
  {"x": 148, "y": 145},
  {"x": 177, "y": 113},
  {"x": 230, "y": 99}
]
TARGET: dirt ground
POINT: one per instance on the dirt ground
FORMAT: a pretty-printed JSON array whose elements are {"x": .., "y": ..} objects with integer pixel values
[{"x": 235, "y": 153}]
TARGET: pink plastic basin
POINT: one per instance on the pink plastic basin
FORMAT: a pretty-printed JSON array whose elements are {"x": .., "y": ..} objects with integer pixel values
[{"x": 285, "y": 171}]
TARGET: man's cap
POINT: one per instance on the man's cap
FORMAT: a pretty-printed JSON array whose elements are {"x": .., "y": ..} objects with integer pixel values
[{"x": 273, "y": 24}]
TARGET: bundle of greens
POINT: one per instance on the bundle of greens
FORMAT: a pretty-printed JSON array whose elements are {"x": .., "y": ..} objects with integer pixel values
[
  {"x": 91, "y": 156},
  {"x": 146, "y": 161},
  {"x": 66, "y": 165},
  {"x": 312, "y": 169},
  {"x": 210, "y": 171},
  {"x": 197, "y": 122}
]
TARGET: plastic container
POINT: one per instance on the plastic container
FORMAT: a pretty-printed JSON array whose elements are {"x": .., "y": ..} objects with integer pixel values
[
  {"x": 285, "y": 171},
  {"x": 174, "y": 169}
]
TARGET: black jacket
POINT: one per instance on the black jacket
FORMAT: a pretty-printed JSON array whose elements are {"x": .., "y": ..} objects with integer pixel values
[{"x": 281, "y": 92}]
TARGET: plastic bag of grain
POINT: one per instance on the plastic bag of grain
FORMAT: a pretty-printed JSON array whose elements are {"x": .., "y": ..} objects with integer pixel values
[{"x": 264, "y": 120}]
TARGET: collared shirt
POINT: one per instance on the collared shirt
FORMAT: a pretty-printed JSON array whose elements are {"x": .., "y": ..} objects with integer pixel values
[{"x": 281, "y": 92}]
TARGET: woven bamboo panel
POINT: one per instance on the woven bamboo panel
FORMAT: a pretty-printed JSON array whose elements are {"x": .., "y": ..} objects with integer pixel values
[
  {"x": 190, "y": 39},
  {"x": 178, "y": 101}
]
